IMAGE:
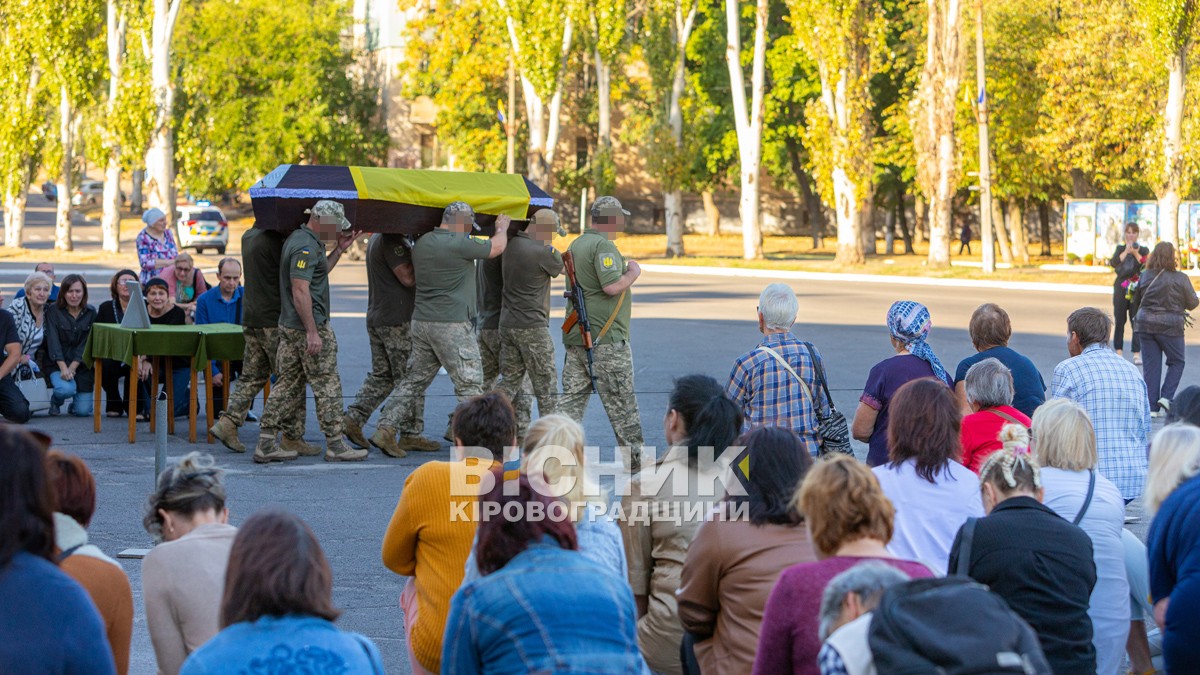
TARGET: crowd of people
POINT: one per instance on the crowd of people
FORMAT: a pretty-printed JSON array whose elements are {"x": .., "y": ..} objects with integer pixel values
[{"x": 984, "y": 532}]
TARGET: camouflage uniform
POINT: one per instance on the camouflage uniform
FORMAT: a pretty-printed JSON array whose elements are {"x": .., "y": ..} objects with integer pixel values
[
  {"x": 527, "y": 356},
  {"x": 614, "y": 383},
  {"x": 434, "y": 344},
  {"x": 391, "y": 347},
  {"x": 258, "y": 362},
  {"x": 295, "y": 367},
  {"x": 492, "y": 362}
]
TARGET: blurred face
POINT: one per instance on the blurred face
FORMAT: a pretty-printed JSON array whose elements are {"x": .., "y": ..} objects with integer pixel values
[
  {"x": 1131, "y": 235},
  {"x": 326, "y": 232},
  {"x": 39, "y": 293},
  {"x": 159, "y": 225},
  {"x": 231, "y": 278},
  {"x": 458, "y": 222},
  {"x": 47, "y": 269},
  {"x": 183, "y": 270},
  {"x": 543, "y": 232},
  {"x": 609, "y": 224},
  {"x": 158, "y": 299},
  {"x": 123, "y": 287},
  {"x": 74, "y": 295}
]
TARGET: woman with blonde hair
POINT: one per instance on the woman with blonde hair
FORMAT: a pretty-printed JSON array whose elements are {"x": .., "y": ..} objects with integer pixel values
[
  {"x": 1173, "y": 497},
  {"x": 1065, "y": 446},
  {"x": 553, "y": 456},
  {"x": 850, "y": 521}
]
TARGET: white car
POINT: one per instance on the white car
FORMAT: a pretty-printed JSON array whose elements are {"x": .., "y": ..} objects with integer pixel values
[
  {"x": 201, "y": 226},
  {"x": 89, "y": 193}
]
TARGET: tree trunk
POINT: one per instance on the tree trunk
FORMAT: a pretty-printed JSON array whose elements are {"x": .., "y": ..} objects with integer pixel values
[
  {"x": 161, "y": 158},
  {"x": 603, "y": 102},
  {"x": 812, "y": 205},
  {"x": 136, "y": 198},
  {"x": 62, "y": 221},
  {"x": 902, "y": 219},
  {"x": 937, "y": 95},
  {"x": 866, "y": 209},
  {"x": 1015, "y": 218},
  {"x": 14, "y": 214},
  {"x": 673, "y": 200},
  {"x": 712, "y": 213},
  {"x": 921, "y": 213},
  {"x": 999, "y": 223},
  {"x": 748, "y": 120},
  {"x": 889, "y": 233},
  {"x": 1168, "y": 202},
  {"x": 849, "y": 223},
  {"x": 1044, "y": 218},
  {"x": 543, "y": 121},
  {"x": 110, "y": 221}
]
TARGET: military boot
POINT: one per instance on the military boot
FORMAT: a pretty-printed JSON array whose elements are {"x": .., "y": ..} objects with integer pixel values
[
  {"x": 418, "y": 443},
  {"x": 268, "y": 450},
  {"x": 227, "y": 432},
  {"x": 299, "y": 446},
  {"x": 336, "y": 451},
  {"x": 354, "y": 432},
  {"x": 385, "y": 439}
]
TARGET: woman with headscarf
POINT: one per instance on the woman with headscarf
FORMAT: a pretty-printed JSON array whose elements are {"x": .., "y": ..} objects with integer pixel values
[
  {"x": 155, "y": 244},
  {"x": 909, "y": 324}
]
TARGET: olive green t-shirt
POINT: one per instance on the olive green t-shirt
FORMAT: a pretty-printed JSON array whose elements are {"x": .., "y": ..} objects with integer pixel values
[
  {"x": 444, "y": 264},
  {"x": 304, "y": 258},
  {"x": 260, "y": 269},
  {"x": 389, "y": 302},
  {"x": 490, "y": 279},
  {"x": 528, "y": 267},
  {"x": 598, "y": 263}
]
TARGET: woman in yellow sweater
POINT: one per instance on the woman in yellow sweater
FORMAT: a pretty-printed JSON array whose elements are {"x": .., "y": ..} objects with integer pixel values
[{"x": 430, "y": 535}]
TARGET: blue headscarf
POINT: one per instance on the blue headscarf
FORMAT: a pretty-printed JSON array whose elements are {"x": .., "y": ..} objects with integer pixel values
[{"x": 909, "y": 323}]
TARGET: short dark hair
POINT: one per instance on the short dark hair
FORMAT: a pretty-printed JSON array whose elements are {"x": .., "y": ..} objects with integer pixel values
[
  {"x": 502, "y": 538},
  {"x": 486, "y": 421},
  {"x": 113, "y": 285},
  {"x": 74, "y": 486},
  {"x": 989, "y": 327},
  {"x": 66, "y": 284},
  {"x": 276, "y": 568},
  {"x": 1162, "y": 257},
  {"x": 1132, "y": 225},
  {"x": 1185, "y": 407},
  {"x": 712, "y": 419},
  {"x": 1090, "y": 325},
  {"x": 924, "y": 422},
  {"x": 778, "y": 463},
  {"x": 26, "y": 496}
]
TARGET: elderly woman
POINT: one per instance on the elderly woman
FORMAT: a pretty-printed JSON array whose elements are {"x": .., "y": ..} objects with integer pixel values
[
  {"x": 909, "y": 324},
  {"x": 734, "y": 561},
  {"x": 155, "y": 244},
  {"x": 184, "y": 576},
  {"x": 1163, "y": 298},
  {"x": 989, "y": 389},
  {"x": 776, "y": 382},
  {"x": 933, "y": 493},
  {"x": 164, "y": 312},
  {"x": 1173, "y": 498},
  {"x": 116, "y": 401},
  {"x": 29, "y": 313},
  {"x": 185, "y": 283},
  {"x": 850, "y": 521},
  {"x": 990, "y": 331},
  {"x": 1074, "y": 489},
  {"x": 69, "y": 322}
]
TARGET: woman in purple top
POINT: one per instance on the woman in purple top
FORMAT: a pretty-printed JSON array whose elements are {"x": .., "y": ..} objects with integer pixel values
[
  {"x": 850, "y": 520},
  {"x": 909, "y": 324}
]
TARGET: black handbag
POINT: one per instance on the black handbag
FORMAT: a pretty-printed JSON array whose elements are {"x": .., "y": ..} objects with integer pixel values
[{"x": 834, "y": 431}]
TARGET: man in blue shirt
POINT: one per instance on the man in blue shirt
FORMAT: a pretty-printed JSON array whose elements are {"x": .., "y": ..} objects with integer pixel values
[
  {"x": 222, "y": 304},
  {"x": 47, "y": 269},
  {"x": 990, "y": 330}
]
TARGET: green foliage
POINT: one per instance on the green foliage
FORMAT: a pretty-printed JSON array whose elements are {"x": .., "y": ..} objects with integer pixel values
[
  {"x": 1170, "y": 24},
  {"x": 539, "y": 27},
  {"x": 25, "y": 122},
  {"x": 261, "y": 84}
]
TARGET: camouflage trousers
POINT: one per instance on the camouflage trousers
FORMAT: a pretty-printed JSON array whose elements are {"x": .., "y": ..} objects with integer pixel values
[
  {"x": 258, "y": 363},
  {"x": 434, "y": 344},
  {"x": 390, "y": 350},
  {"x": 614, "y": 383},
  {"x": 286, "y": 405},
  {"x": 492, "y": 357},
  {"x": 527, "y": 356}
]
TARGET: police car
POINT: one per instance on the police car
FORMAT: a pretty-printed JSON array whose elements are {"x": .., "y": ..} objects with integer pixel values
[{"x": 202, "y": 226}]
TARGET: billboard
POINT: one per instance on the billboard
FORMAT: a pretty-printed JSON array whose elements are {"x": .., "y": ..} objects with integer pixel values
[
  {"x": 1145, "y": 214},
  {"x": 1110, "y": 227},
  {"x": 1080, "y": 229}
]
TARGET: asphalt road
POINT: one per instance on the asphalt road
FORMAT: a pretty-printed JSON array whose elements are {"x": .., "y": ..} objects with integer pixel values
[{"x": 682, "y": 324}]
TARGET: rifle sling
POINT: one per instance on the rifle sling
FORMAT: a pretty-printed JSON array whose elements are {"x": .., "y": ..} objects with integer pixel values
[{"x": 608, "y": 324}]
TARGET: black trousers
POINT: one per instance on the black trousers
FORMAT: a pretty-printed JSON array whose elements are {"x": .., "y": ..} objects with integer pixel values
[
  {"x": 13, "y": 406},
  {"x": 1122, "y": 312},
  {"x": 218, "y": 392},
  {"x": 115, "y": 400}
]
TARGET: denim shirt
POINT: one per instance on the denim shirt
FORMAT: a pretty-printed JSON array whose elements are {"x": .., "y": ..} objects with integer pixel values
[
  {"x": 285, "y": 644},
  {"x": 547, "y": 610}
]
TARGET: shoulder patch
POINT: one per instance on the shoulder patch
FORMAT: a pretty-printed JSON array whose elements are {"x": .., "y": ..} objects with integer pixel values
[
  {"x": 399, "y": 250},
  {"x": 301, "y": 264},
  {"x": 607, "y": 262},
  {"x": 482, "y": 240}
]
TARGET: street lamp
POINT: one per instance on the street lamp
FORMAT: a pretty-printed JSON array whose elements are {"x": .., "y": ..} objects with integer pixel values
[{"x": 985, "y": 163}]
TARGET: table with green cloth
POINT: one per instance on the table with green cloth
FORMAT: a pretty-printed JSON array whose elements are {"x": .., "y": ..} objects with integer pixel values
[{"x": 202, "y": 344}]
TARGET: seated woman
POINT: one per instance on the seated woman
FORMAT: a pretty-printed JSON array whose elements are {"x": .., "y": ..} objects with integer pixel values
[
  {"x": 850, "y": 520},
  {"x": 989, "y": 390},
  {"x": 164, "y": 312},
  {"x": 101, "y": 576},
  {"x": 183, "y": 577},
  {"x": 185, "y": 283},
  {"x": 542, "y": 458},
  {"x": 69, "y": 322},
  {"x": 29, "y": 314},
  {"x": 1027, "y": 554},
  {"x": 277, "y": 607},
  {"x": 48, "y": 622},
  {"x": 735, "y": 560},
  {"x": 116, "y": 401},
  {"x": 541, "y": 606}
]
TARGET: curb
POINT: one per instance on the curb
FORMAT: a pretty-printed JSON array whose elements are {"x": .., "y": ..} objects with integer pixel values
[{"x": 796, "y": 275}]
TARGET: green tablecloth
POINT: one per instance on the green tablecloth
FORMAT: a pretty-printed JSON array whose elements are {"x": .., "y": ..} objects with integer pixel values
[{"x": 215, "y": 341}]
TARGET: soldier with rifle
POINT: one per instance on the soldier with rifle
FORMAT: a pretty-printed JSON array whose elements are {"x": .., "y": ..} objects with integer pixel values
[{"x": 596, "y": 329}]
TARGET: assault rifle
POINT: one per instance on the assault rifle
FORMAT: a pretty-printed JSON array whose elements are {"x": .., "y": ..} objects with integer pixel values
[{"x": 578, "y": 316}]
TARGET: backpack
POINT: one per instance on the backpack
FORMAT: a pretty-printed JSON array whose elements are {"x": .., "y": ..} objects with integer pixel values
[{"x": 951, "y": 626}]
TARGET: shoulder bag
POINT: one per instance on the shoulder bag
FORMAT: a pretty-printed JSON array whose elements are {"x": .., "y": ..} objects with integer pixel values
[
  {"x": 833, "y": 432},
  {"x": 33, "y": 388}
]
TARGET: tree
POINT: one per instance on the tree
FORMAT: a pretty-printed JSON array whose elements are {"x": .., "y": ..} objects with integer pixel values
[
  {"x": 933, "y": 128},
  {"x": 540, "y": 35},
  {"x": 23, "y": 97},
  {"x": 606, "y": 22},
  {"x": 748, "y": 119},
  {"x": 161, "y": 159},
  {"x": 1171, "y": 27},
  {"x": 840, "y": 36}
]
